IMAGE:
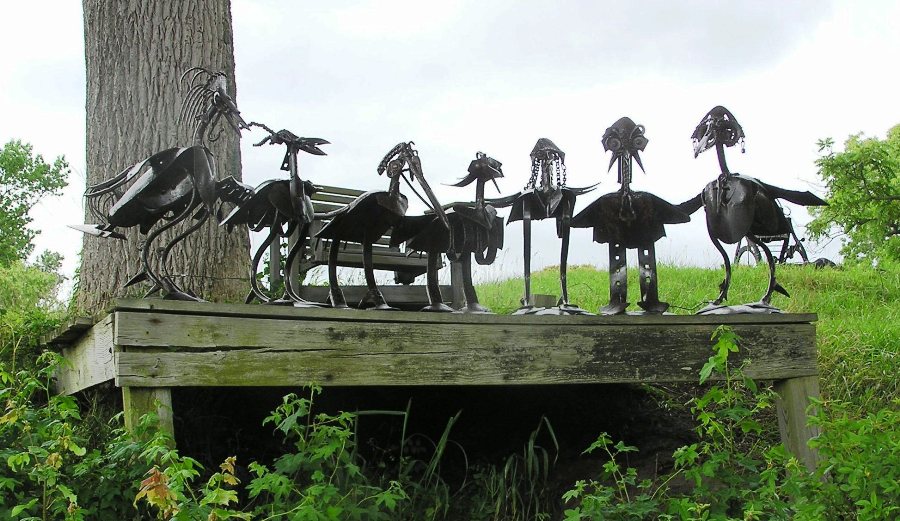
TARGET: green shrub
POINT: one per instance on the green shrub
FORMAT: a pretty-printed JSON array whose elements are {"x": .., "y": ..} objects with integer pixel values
[{"x": 734, "y": 473}]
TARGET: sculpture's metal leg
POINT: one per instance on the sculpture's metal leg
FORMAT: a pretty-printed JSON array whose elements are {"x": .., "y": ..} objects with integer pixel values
[
  {"x": 374, "y": 295},
  {"x": 649, "y": 286},
  {"x": 173, "y": 290},
  {"x": 335, "y": 295},
  {"x": 255, "y": 290},
  {"x": 563, "y": 304},
  {"x": 289, "y": 280},
  {"x": 472, "y": 304},
  {"x": 618, "y": 281},
  {"x": 715, "y": 306},
  {"x": 527, "y": 302},
  {"x": 158, "y": 282},
  {"x": 773, "y": 284},
  {"x": 435, "y": 299},
  {"x": 726, "y": 283}
]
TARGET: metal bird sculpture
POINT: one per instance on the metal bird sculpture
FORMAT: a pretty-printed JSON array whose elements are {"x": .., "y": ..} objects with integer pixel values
[
  {"x": 739, "y": 206},
  {"x": 371, "y": 215},
  {"x": 474, "y": 228},
  {"x": 543, "y": 198},
  {"x": 170, "y": 185},
  {"x": 628, "y": 219},
  {"x": 277, "y": 203}
]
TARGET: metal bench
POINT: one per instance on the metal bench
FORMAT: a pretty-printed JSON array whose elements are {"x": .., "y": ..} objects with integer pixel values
[{"x": 405, "y": 265}]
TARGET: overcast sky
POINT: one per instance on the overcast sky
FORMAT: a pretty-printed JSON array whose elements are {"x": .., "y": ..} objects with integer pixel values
[{"x": 459, "y": 77}]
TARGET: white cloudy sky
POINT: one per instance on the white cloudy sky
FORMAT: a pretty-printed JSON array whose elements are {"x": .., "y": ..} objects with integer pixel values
[{"x": 457, "y": 77}]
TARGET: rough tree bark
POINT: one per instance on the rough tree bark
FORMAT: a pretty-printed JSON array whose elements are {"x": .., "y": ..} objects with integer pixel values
[{"x": 135, "y": 53}]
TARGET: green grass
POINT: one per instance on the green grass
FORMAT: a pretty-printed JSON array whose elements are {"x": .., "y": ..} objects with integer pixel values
[{"x": 858, "y": 331}]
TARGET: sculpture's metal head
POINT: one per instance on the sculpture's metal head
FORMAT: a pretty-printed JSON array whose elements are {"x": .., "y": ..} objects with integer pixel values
[
  {"x": 546, "y": 157},
  {"x": 483, "y": 168},
  {"x": 718, "y": 126},
  {"x": 206, "y": 102},
  {"x": 404, "y": 158},
  {"x": 625, "y": 139}
]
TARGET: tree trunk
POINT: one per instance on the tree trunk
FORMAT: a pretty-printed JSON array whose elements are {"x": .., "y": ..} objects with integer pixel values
[{"x": 135, "y": 53}]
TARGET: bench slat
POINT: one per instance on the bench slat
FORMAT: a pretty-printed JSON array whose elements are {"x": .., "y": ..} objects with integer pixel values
[{"x": 338, "y": 190}]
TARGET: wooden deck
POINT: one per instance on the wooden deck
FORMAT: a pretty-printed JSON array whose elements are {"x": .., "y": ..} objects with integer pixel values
[{"x": 149, "y": 346}]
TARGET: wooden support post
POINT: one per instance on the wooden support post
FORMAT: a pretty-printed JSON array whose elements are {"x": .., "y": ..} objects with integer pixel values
[
  {"x": 137, "y": 401},
  {"x": 791, "y": 406}
]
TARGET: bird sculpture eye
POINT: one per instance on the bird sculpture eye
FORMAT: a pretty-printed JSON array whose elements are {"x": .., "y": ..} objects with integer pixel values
[
  {"x": 613, "y": 144},
  {"x": 639, "y": 142},
  {"x": 394, "y": 167}
]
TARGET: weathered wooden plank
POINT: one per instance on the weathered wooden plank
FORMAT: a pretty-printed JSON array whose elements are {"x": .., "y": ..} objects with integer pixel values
[
  {"x": 333, "y": 198},
  {"x": 283, "y": 312},
  {"x": 219, "y": 351},
  {"x": 791, "y": 405},
  {"x": 89, "y": 360},
  {"x": 68, "y": 333},
  {"x": 403, "y": 294},
  {"x": 138, "y": 401}
]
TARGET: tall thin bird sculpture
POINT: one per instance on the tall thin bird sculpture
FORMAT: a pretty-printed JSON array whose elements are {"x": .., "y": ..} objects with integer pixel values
[
  {"x": 629, "y": 219},
  {"x": 474, "y": 228},
  {"x": 368, "y": 217},
  {"x": 277, "y": 203},
  {"x": 170, "y": 185},
  {"x": 739, "y": 206},
  {"x": 544, "y": 198}
]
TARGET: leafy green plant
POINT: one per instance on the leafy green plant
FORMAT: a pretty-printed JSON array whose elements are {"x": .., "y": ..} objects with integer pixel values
[
  {"x": 46, "y": 469},
  {"x": 318, "y": 478}
]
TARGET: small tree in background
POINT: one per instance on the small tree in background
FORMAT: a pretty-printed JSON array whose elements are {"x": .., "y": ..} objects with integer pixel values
[
  {"x": 863, "y": 185},
  {"x": 25, "y": 179}
]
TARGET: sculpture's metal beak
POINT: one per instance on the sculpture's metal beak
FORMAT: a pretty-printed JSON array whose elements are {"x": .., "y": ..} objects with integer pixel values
[
  {"x": 415, "y": 172},
  {"x": 229, "y": 109},
  {"x": 310, "y": 145},
  {"x": 706, "y": 141}
]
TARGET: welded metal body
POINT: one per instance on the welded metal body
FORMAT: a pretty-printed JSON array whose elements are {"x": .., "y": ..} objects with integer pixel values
[
  {"x": 545, "y": 196},
  {"x": 740, "y": 206},
  {"x": 628, "y": 219},
  {"x": 173, "y": 184},
  {"x": 285, "y": 208},
  {"x": 474, "y": 229},
  {"x": 371, "y": 215}
]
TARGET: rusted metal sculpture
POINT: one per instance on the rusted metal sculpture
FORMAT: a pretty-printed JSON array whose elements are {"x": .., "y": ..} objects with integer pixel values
[
  {"x": 543, "y": 198},
  {"x": 739, "y": 206},
  {"x": 370, "y": 216},
  {"x": 628, "y": 219},
  {"x": 277, "y": 203},
  {"x": 170, "y": 185},
  {"x": 474, "y": 228}
]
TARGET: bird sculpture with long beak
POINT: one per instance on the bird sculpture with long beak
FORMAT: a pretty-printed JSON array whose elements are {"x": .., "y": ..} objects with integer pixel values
[
  {"x": 739, "y": 206},
  {"x": 277, "y": 203},
  {"x": 368, "y": 217},
  {"x": 474, "y": 228},
  {"x": 170, "y": 185},
  {"x": 545, "y": 197},
  {"x": 628, "y": 219}
]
